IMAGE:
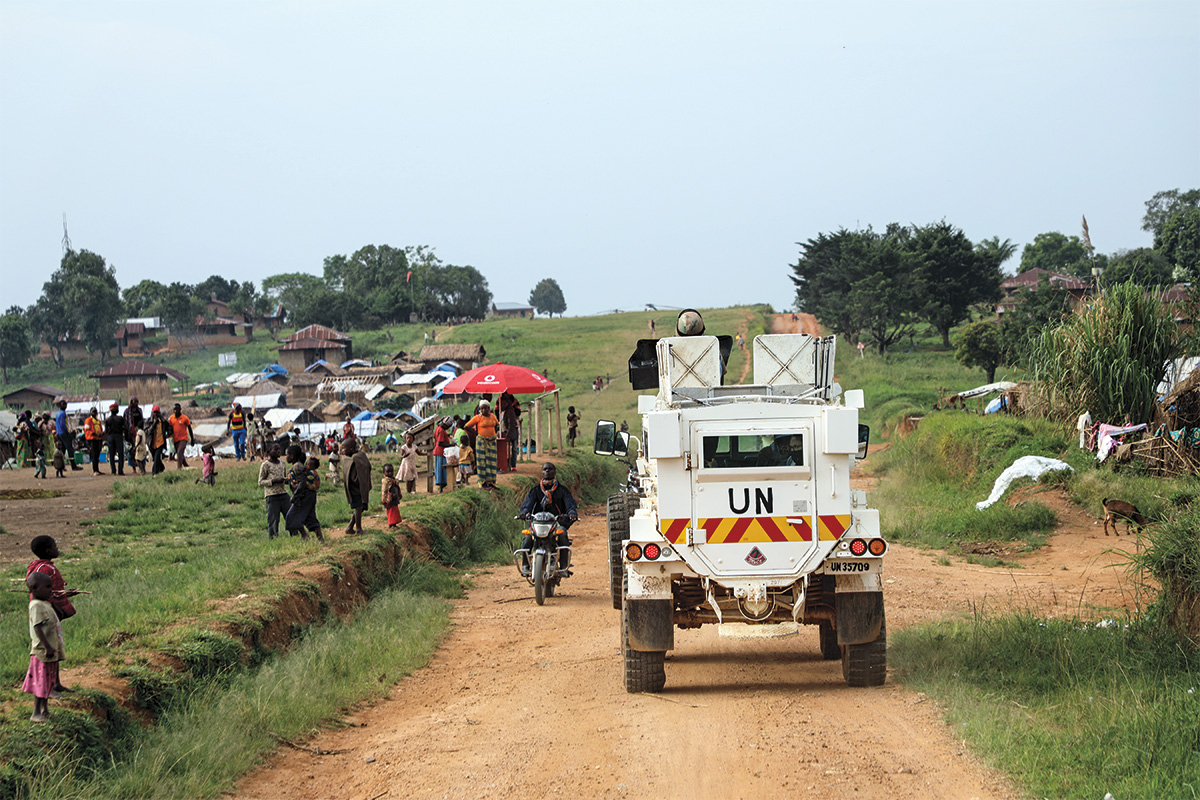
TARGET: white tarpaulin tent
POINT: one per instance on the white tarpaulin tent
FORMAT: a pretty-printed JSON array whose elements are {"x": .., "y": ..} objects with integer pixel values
[
  {"x": 257, "y": 401},
  {"x": 980, "y": 391}
]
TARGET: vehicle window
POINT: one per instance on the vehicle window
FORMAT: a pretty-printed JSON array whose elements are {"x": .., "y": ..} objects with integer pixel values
[{"x": 732, "y": 451}]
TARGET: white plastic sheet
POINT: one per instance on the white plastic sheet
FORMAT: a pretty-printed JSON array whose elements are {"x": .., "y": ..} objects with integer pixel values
[{"x": 1023, "y": 467}]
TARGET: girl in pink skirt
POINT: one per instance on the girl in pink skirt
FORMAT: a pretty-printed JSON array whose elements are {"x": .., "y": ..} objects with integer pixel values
[{"x": 46, "y": 645}]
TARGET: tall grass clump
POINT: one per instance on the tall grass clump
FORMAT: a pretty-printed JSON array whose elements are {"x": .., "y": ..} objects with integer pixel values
[
  {"x": 1068, "y": 708},
  {"x": 1109, "y": 358},
  {"x": 1172, "y": 558}
]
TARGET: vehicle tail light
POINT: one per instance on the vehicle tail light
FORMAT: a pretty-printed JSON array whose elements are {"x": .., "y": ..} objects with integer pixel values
[
  {"x": 633, "y": 551},
  {"x": 877, "y": 547},
  {"x": 651, "y": 551},
  {"x": 858, "y": 547}
]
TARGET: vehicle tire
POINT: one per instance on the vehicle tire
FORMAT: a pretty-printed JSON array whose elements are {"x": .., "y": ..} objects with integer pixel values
[
  {"x": 866, "y": 664},
  {"x": 830, "y": 649},
  {"x": 620, "y": 508},
  {"x": 550, "y": 584},
  {"x": 644, "y": 670},
  {"x": 539, "y": 577}
]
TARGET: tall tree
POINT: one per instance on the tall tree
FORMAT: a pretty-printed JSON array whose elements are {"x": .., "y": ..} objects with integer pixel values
[
  {"x": 980, "y": 345},
  {"x": 180, "y": 308},
  {"x": 16, "y": 345},
  {"x": 1164, "y": 205},
  {"x": 547, "y": 297},
  {"x": 141, "y": 297},
  {"x": 953, "y": 274},
  {"x": 81, "y": 299},
  {"x": 218, "y": 287},
  {"x": 1056, "y": 252},
  {"x": 856, "y": 281},
  {"x": 1144, "y": 266},
  {"x": 1179, "y": 243}
]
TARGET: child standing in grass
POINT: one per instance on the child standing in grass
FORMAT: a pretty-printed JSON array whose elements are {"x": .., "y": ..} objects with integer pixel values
[
  {"x": 45, "y": 645},
  {"x": 391, "y": 495},
  {"x": 208, "y": 466},
  {"x": 304, "y": 483}
]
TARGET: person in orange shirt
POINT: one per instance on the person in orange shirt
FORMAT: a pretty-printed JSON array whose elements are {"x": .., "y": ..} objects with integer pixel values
[
  {"x": 484, "y": 424},
  {"x": 93, "y": 434},
  {"x": 181, "y": 432}
]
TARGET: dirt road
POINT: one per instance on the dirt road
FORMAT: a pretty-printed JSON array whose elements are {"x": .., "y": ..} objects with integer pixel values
[{"x": 522, "y": 700}]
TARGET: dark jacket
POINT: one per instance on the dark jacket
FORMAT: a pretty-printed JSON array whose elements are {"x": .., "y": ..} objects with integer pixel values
[
  {"x": 358, "y": 478},
  {"x": 134, "y": 419},
  {"x": 558, "y": 502}
]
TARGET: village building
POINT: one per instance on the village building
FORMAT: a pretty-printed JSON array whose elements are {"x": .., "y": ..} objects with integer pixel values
[
  {"x": 150, "y": 383},
  {"x": 467, "y": 356},
  {"x": 514, "y": 310},
  {"x": 34, "y": 397},
  {"x": 1076, "y": 288},
  {"x": 314, "y": 343}
]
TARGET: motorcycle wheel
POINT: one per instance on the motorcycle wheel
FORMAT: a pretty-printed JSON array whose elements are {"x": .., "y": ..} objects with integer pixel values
[
  {"x": 539, "y": 577},
  {"x": 550, "y": 584}
]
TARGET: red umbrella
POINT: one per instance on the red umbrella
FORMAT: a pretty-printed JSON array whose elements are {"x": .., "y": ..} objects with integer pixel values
[{"x": 498, "y": 378}]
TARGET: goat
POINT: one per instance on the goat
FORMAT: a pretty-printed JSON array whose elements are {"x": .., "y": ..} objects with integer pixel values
[{"x": 1119, "y": 509}]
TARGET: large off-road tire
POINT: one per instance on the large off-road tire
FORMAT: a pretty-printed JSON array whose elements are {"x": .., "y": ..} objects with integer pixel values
[
  {"x": 620, "y": 508},
  {"x": 830, "y": 649},
  {"x": 866, "y": 664},
  {"x": 644, "y": 671},
  {"x": 539, "y": 577}
]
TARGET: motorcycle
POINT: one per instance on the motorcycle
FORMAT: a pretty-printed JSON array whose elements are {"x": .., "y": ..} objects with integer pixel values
[{"x": 540, "y": 564}]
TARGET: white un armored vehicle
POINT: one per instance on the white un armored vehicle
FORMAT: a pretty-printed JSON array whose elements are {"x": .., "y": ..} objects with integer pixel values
[{"x": 741, "y": 512}]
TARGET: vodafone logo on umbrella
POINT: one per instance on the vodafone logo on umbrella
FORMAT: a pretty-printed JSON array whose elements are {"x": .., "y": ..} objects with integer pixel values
[{"x": 489, "y": 379}]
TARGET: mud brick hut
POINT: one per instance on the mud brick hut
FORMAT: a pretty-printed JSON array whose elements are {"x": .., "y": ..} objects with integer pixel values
[
  {"x": 33, "y": 397},
  {"x": 312, "y": 344},
  {"x": 468, "y": 356},
  {"x": 150, "y": 383}
]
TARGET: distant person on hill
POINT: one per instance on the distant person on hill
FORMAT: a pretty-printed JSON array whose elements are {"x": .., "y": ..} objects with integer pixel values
[
  {"x": 114, "y": 429},
  {"x": 358, "y": 484},
  {"x": 572, "y": 425},
  {"x": 158, "y": 433},
  {"x": 181, "y": 431}
]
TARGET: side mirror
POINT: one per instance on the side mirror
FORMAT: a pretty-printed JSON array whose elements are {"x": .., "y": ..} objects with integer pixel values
[
  {"x": 605, "y": 440},
  {"x": 621, "y": 446},
  {"x": 864, "y": 439}
]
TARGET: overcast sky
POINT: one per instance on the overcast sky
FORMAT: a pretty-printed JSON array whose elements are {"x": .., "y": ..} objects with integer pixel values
[{"x": 637, "y": 152}]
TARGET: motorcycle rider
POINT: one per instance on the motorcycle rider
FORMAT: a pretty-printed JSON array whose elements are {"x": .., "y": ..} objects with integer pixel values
[{"x": 550, "y": 495}]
